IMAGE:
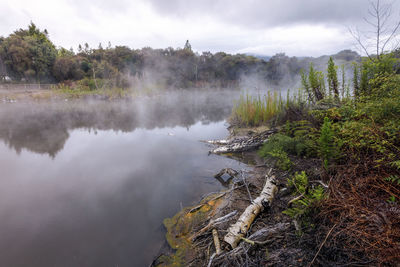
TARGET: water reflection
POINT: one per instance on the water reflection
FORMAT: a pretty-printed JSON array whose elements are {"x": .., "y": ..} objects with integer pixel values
[
  {"x": 119, "y": 169},
  {"x": 44, "y": 128}
]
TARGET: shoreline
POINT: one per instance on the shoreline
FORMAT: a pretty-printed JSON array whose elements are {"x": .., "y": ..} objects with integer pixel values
[{"x": 279, "y": 248}]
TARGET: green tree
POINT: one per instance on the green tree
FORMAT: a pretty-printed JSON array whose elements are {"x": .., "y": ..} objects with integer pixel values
[
  {"x": 3, "y": 72},
  {"x": 28, "y": 54},
  {"x": 332, "y": 78},
  {"x": 343, "y": 82},
  {"x": 306, "y": 86},
  {"x": 314, "y": 78},
  {"x": 326, "y": 142},
  {"x": 67, "y": 68},
  {"x": 356, "y": 79},
  {"x": 187, "y": 46}
]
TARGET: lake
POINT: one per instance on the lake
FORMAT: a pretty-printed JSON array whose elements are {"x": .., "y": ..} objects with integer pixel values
[{"x": 88, "y": 183}]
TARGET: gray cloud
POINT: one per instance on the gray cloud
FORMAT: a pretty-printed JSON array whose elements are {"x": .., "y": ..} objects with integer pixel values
[
  {"x": 297, "y": 27},
  {"x": 262, "y": 13}
]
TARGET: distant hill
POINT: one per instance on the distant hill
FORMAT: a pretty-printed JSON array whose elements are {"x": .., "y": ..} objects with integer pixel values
[
  {"x": 282, "y": 69},
  {"x": 342, "y": 56},
  {"x": 263, "y": 57}
]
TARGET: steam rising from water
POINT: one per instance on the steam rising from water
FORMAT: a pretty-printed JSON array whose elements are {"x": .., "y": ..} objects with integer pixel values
[
  {"x": 44, "y": 128},
  {"x": 115, "y": 171}
]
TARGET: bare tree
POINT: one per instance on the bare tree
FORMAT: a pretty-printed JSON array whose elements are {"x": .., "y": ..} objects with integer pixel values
[{"x": 385, "y": 28}]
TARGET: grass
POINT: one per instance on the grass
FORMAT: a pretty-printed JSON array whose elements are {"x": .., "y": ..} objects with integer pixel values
[
  {"x": 255, "y": 111},
  {"x": 106, "y": 91},
  {"x": 259, "y": 110}
]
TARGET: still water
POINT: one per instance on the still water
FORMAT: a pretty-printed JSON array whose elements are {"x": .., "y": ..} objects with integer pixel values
[{"x": 88, "y": 183}]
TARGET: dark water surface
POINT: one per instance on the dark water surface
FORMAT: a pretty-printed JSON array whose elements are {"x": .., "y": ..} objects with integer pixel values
[{"x": 89, "y": 183}]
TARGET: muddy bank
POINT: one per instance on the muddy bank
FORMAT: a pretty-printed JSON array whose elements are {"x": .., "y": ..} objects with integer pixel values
[{"x": 273, "y": 239}]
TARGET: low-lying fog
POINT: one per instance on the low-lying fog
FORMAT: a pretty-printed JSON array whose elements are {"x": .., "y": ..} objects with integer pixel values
[{"x": 89, "y": 183}]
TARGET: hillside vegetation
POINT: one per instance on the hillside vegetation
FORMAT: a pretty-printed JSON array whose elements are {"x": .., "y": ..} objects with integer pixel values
[{"x": 356, "y": 135}]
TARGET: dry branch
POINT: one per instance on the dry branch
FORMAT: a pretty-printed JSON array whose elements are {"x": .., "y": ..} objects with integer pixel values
[
  {"x": 213, "y": 223},
  {"x": 216, "y": 242}
]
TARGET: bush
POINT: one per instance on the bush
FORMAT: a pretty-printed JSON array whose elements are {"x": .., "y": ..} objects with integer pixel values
[
  {"x": 283, "y": 162},
  {"x": 307, "y": 197},
  {"x": 298, "y": 139},
  {"x": 326, "y": 145}
]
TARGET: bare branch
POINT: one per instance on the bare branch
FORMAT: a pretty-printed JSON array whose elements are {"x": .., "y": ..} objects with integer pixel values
[
  {"x": 391, "y": 36},
  {"x": 356, "y": 36},
  {"x": 383, "y": 31}
]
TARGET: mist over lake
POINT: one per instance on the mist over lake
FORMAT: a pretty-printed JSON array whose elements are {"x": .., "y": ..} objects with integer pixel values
[{"x": 88, "y": 183}]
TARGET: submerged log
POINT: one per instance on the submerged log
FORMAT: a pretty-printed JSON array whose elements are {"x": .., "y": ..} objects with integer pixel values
[
  {"x": 231, "y": 172},
  {"x": 241, "y": 144},
  {"x": 238, "y": 230}
]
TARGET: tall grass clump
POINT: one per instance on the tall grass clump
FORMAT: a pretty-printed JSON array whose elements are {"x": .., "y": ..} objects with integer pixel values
[
  {"x": 250, "y": 111},
  {"x": 256, "y": 110}
]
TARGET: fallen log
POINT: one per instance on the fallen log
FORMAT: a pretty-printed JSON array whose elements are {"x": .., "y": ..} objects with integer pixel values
[
  {"x": 221, "y": 142},
  {"x": 241, "y": 144},
  {"x": 238, "y": 230}
]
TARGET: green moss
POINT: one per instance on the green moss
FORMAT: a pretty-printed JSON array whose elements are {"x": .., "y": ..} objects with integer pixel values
[{"x": 180, "y": 230}]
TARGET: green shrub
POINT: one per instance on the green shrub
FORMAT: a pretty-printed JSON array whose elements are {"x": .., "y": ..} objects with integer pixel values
[
  {"x": 283, "y": 162},
  {"x": 306, "y": 197},
  {"x": 278, "y": 142},
  {"x": 326, "y": 145},
  {"x": 297, "y": 138}
]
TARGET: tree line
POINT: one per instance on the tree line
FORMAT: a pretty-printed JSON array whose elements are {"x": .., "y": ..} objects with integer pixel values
[{"x": 28, "y": 55}]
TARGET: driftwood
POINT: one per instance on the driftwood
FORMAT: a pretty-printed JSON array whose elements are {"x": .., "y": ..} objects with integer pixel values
[
  {"x": 216, "y": 242},
  {"x": 241, "y": 144},
  {"x": 213, "y": 223},
  {"x": 238, "y": 230}
]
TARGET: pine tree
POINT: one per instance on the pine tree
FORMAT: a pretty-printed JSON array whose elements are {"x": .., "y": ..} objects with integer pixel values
[
  {"x": 315, "y": 83},
  {"x": 326, "y": 142},
  {"x": 343, "y": 80},
  {"x": 306, "y": 86},
  {"x": 187, "y": 46},
  {"x": 332, "y": 78},
  {"x": 356, "y": 84}
]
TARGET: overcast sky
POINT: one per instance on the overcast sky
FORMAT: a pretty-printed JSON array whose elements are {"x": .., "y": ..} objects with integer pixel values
[{"x": 296, "y": 27}]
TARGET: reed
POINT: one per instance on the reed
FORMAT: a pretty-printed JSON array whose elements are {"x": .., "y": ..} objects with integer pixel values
[{"x": 258, "y": 110}]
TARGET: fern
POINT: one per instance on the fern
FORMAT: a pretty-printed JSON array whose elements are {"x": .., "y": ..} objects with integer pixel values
[
  {"x": 395, "y": 179},
  {"x": 282, "y": 160},
  {"x": 309, "y": 196},
  {"x": 396, "y": 164}
]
